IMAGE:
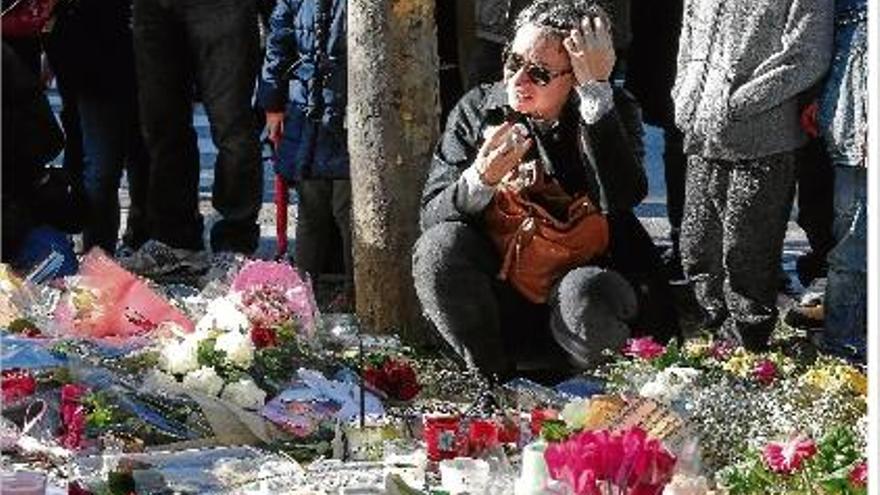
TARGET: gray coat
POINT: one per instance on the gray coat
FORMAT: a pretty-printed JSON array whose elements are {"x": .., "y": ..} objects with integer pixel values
[{"x": 741, "y": 66}]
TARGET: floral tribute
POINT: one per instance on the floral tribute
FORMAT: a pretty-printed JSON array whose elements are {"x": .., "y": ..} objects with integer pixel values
[
  {"x": 601, "y": 462},
  {"x": 255, "y": 330},
  {"x": 783, "y": 402},
  {"x": 799, "y": 464},
  {"x": 395, "y": 378}
]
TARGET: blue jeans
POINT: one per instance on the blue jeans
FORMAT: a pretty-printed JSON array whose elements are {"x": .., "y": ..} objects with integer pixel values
[
  {"x": 112, "y": 141},
  {"x": 843, "y": 109},
  {"x": 213, "y": 44},
  {"x": 846, "y": 296}
]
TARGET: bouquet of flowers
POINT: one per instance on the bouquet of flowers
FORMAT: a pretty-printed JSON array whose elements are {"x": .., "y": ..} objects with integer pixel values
[{"x": 601, "y": 462}]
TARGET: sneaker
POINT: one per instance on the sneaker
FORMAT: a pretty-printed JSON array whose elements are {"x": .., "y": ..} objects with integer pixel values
[
  {"x": 806, "y": 316},
  {"x": 155, "y": 259}
]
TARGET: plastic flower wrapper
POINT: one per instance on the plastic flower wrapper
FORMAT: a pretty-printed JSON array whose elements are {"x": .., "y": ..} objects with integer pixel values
[
  {"x": 245, "y": 393},
  {"x": 203, "y": 470},
  {"x": 223, "y": 314},
  {"x": 281, "y": 277},
  {"x": 668, "y": 385},
  {"x": 105, "y": 301},
  {"x": 204, "y": 380}
]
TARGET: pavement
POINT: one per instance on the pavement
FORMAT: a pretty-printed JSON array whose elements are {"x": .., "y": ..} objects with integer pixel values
[{"x": 652, "y": 212}]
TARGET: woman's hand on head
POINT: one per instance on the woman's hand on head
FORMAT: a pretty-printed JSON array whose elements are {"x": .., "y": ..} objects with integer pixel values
[
  {"x": 502, "y": 152},
  {"x": 591, "y": 50}
]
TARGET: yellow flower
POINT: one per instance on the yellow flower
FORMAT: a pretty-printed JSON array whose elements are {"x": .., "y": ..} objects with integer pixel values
[
  {"x": 697, "y": 348},
  {"x": 741, "y": 363}
]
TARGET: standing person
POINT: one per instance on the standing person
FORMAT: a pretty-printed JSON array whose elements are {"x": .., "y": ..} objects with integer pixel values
[
  {"x": 843, "y": 122},
  {"x": 214, "y": 45},
  {"x": 575, "y": 144},
  {"x": 303, "y": 90},
  {"x": 741, "y": 67},
  {"x": 108, "y": 117},
  {"x": 650, "y": 75}
]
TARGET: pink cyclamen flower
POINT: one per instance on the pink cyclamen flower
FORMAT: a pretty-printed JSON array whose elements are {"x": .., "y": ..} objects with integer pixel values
[
  {"x": 859, "y": 475},
  {"x": 765, "y": 371},
  {"x": 787, "y": 457},
  {"x": 644, "y": 348}
]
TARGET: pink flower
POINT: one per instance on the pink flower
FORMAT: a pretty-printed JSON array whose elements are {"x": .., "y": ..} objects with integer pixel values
[
  {"x": 765, "y": 372},
  {"x": 859, "y": 475},
  {"x": 630, "y": 461},
  {"x": 723, "y": 349},
  {"x": 644, "y": 348},
  {"x": 787, "y": 457}
]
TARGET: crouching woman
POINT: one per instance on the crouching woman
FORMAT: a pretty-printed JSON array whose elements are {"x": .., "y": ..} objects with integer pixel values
[{"x": 530, "y": 255}]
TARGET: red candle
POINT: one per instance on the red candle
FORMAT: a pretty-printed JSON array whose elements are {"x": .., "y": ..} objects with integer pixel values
[
  {"x": 441, "y": 437},
  {"x": 482, "y": 435}
]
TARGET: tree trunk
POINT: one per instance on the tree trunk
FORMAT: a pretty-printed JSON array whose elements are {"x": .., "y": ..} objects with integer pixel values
[{"x": 392, "y": 128}]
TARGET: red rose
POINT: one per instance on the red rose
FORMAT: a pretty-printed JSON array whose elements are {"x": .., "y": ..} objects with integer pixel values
[
  {"x": 263, "y": 337},
  {"x": 396, "y": 379}
]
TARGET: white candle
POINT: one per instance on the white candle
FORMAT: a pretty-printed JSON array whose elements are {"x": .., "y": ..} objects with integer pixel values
[{"x": 534, "y": 476}]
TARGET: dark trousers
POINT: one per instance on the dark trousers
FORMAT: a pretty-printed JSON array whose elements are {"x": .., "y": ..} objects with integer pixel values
[
  {"x": 215, "y": 45},
  {"x": 732, "y": 235},
  {"x": 674, "y": 168},
  {"x": 324, "y": 208},
  {"x": 492, "y": 327},
  {"x": 112, "y": 142},
  {"x": 815, "y": 202}
]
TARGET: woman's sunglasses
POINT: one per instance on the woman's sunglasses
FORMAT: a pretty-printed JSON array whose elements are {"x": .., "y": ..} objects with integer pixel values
[{"x": 541, "y": 76}]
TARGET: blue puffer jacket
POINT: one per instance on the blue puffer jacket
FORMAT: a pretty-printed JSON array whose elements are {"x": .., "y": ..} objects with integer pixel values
[{"x": 314, "y": 140}]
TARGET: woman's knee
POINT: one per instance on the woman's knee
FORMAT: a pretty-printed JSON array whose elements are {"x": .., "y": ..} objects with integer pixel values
[{"x": 594, "y": 286}]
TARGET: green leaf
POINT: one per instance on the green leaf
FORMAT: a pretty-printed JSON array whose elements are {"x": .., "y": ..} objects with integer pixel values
[{"x": 554, "y": 430}]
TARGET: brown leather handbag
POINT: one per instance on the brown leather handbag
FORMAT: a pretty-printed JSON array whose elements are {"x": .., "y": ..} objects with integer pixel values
[{"x": 542, "y": 233}]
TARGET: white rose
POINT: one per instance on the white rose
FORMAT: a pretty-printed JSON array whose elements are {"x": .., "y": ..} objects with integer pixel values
[
  {"x": 156, "y": 380},
  {"x": 179, "y": 356},
  {"x": 204, "y": 380},
  {"x": 223, "y": 314},
  {"x": 575, "y": 413},
  {"x": 238, "y": 348},
  {"x": 682, "y": 484},
  {"x": 245, "y": 393}
]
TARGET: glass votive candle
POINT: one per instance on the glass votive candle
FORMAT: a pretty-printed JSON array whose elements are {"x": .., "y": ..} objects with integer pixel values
[{"x": 442, "y": 437}]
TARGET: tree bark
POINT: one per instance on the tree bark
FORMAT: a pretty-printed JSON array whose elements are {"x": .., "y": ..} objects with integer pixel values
[{"x": 392, "y": 127}]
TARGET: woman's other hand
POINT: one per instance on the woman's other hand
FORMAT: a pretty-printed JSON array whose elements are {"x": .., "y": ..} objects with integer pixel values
[
  {"x": 591, "y": 50},
  {"x": 502, "y": 152},
  {"x": 275, "y": 126}
]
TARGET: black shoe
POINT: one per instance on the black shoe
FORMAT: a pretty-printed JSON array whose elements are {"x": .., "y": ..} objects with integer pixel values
[
  {"x": 237, "y": 237},
  {"x": 809, "y": 267},
  {"x": 806, "y": 316},
  {"x": 672, "y": 266}
]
